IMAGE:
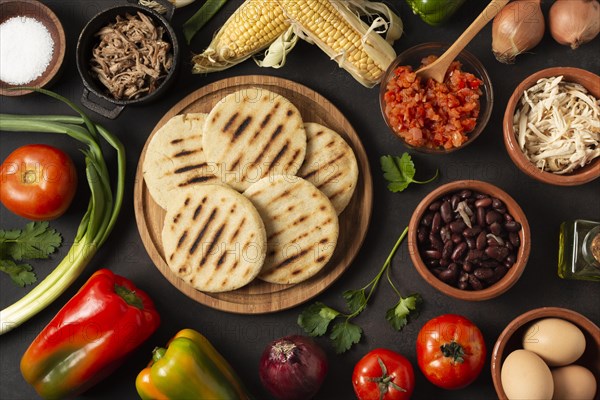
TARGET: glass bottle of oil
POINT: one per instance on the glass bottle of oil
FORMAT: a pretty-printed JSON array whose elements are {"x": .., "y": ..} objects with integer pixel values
[{"x": 579, "y": 250}]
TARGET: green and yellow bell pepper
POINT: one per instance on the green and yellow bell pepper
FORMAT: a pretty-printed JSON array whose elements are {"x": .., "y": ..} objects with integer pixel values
[{"x": 189, "y": 368}]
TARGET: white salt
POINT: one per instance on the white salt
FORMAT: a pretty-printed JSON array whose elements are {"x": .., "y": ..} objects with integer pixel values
[{"x": 26, "y": 49}]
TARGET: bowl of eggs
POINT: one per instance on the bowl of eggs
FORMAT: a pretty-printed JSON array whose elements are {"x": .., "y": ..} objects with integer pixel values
[{"x": 547, "y": 353}]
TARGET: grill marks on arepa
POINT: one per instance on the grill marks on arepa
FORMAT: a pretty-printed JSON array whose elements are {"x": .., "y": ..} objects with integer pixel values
[
  {"x": 329, "y": 164},
  {"x": 301, "y": 224},
  {"x": 254, "y": 133},
  {"x": 175, "y": 159},
  {"x": 213, "y": 238}
]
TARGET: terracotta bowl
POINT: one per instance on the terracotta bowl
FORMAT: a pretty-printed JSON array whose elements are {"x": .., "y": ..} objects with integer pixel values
[
  {"x": 470, "y": 63},
  {"x": 38, "y": 11},
  {"x": 580, "y": 176},
  {"x": 495, "y": 289},
  {"x": 510, "y": 340}
]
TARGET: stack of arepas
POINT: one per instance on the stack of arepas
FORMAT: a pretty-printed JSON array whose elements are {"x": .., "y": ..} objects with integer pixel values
[{"x": 250, "y": 190}]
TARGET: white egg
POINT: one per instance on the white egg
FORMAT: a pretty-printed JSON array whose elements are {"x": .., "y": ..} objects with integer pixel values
[
  {"x": 573, "y": 382},
  {"x": 525, "y": 375},
  {"x": 557, "y": 341}
]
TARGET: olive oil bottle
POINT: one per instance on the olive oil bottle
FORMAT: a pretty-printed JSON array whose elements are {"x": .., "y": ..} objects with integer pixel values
[{"x": 579, "y": 250}]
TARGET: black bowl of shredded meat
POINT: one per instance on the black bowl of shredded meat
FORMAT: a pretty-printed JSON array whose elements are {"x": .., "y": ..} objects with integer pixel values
[{"x": 126, "y": 55}]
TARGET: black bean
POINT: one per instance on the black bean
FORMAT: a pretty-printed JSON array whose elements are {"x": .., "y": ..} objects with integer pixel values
[
  {"x": 485, "y": 202},
  {"x": 510, "y": 259},
  {"x": 483, "y": 273},
  {"x": 463, "y": 285},
  {"x": 497, "y": 253},
  {"x": 435, "y": 206},
  {"x": 512, "y": 226},
  {"x": 514, "y": 239},
  {"x": 509, "y": 246},
  {"x": 497, "y": 204},
  {"x": 496, "y": 228},
  {"x": 433, "y": 263},
  {"x": 436, "y": 242},
  {"x": 433, "y": 254},
  {"x": 454, "y": 200},
  {"x": 457, "y": 226},
  {"x": 481, "y": 196},
  {"x": 421, "y": 234},
  {"x": 467, "y": 266},
  {"x": 459, "y": 251},
  {"x": 470, "y": 243},
  {"x": 475, "y": 283},
  {"x": 445, "y": 234},
  {"x": 456, "y": 238},
  {"x": 480, "y": 216},
  {"x": 444, "y": 263},
  {"x": 491, "y": 242},
  {"x": 508, "y": 217},
  {"x": 489, "y": 263},
  {"x": 436, "y": 223},
  {"x": 499, "y": 272},
  {"x": 472, "y": 232},
  {"x": 449, "y": 275},
  {"x": 436, "y": 271},
  {"x": 474, "y": 255},
  {"x": 481, "y": 241},
  {"x": 465, "y": 194},
  {"x": 447, "y": 251},
  {"x": 492, "y": 217},
  {"x": 426, "y": 220},
  {"x": 463, "y": 276},
  {"x": 446, "y": 211}
]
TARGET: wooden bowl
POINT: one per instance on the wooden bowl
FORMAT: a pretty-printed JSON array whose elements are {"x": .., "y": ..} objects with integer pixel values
[
  {"x": 35, "y": 9},
  {"x": 513, "y": 274},
  {"x": 581, "y": 175},
  {"x": 511, "y": 337}
]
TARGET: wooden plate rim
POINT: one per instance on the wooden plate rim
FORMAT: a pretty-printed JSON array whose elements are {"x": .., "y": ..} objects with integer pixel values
[{"x": 323, "y": 282}]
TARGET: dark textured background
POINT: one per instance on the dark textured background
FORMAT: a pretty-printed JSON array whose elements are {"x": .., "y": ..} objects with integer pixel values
[{"x": 240, "y": 338}]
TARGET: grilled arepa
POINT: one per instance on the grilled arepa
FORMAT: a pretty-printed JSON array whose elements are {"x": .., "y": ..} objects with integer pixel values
[
  {"x": 302, "y": 227},
  {"x": 174, "y": 158},
  {"x": 213, "y": 238},
  {"x": 253, "y": 133},
  {"x": 329, "y": 164}
]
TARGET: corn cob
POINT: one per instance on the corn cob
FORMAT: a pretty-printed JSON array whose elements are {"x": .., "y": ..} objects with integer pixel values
[
  {"x": 250, "y": 29},
  {"x": 340, "y": 33}
]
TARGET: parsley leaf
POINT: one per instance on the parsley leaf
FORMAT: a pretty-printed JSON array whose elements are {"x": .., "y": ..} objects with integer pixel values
[
  {"x": 37, "y": 240},
  {"x": 316, "y": 318},
  {"x": 400, "y": 172},
  {"x": 21, "y": 274},
  {"x": 344, "y": 335},
  {"x": 399, "y": 315},
  {"x": 356, "y": 300}
]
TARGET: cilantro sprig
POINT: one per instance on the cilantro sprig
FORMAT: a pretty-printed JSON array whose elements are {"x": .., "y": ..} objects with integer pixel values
[
  {"x": 315, "y": 319},
  {"x": 400, "y": 172},
  {"x": 36, "y": 241}
]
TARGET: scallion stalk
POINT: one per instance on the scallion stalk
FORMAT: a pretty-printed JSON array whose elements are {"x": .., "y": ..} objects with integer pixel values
[
  {"x": 99, "y": 219},
  {"x": 201, "y": 17}
]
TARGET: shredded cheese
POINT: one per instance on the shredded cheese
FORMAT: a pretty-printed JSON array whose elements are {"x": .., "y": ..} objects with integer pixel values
[{"x": 558, "y": 125}]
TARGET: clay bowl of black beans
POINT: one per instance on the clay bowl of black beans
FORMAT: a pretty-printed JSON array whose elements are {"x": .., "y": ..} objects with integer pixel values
[{"x": 469, "y": 239}]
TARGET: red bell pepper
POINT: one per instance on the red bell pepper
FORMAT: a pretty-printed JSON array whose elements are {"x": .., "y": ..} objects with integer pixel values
[{"x": 89, "y": 337}]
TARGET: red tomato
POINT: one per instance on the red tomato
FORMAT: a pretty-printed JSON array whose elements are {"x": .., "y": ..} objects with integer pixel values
[
  {"x": 450, "y": 351},
  {"x": 383, "y": 375},
  {"x": 38, "y": 182}
]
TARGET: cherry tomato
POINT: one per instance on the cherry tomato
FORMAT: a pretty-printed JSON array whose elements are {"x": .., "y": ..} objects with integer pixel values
[
  {"x": 383, "y": 375},
  {"x": 450, "y": 351},
  {"x": 38, "y": 182}
]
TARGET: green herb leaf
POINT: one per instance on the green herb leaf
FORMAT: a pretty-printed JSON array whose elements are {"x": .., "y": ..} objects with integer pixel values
[
  {"x": 400, "y": 172},
  {"x": 21, "y": 274},
  {"x": 201, "y": 17},
  {"x": 398, "y": 316},
  {"x": 37, "y": 240},
  {"x": 316, "y": 318},
  {"x": 344, "y": 335},
  {"x": 356, "y": 300}
]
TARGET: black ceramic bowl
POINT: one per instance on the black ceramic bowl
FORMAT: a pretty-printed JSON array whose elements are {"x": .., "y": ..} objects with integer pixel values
[{"x": 95, "y": 95}]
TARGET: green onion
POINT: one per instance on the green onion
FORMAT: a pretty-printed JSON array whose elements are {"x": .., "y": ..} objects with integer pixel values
[
  {"x": 202, "y": 16},
  {"x": 99, "y": 219}
]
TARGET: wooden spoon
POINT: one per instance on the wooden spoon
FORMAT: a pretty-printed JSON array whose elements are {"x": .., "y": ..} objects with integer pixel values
[{"x": 437, "y": 69}]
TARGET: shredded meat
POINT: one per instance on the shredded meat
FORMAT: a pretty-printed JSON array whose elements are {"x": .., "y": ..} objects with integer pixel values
[{"x": 131, "y": 59}]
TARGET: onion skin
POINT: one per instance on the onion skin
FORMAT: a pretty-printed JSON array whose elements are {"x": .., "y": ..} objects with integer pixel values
[
  {"x": 517, "y": 28},
  {"x": 293, "y": 368},
  {"x": 574, "y": 22}
]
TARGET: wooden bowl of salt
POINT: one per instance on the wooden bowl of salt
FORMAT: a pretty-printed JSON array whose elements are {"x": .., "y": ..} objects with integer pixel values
[{"x": 32, "y": 46}]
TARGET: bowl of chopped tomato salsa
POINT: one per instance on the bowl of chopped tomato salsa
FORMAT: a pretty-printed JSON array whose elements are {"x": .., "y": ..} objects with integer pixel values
[{"x": 436, "y": 117}]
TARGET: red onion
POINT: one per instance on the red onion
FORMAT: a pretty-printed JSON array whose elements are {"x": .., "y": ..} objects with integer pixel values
[{"x": 293, "y": 368}]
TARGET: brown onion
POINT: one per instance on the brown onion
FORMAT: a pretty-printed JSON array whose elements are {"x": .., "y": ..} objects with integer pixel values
[
  {"x": 574, "y": 22},
  {"x": 518, "y": 27}
]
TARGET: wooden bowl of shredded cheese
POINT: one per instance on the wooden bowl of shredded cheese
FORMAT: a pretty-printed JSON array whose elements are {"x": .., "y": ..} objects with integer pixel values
[
  {"x": 552, "y": 126},
  {"x": 32, "y": 46}
]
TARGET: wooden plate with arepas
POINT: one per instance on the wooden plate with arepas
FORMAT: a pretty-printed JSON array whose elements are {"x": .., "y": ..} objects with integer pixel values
[{"x": 259, "y": 296}]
